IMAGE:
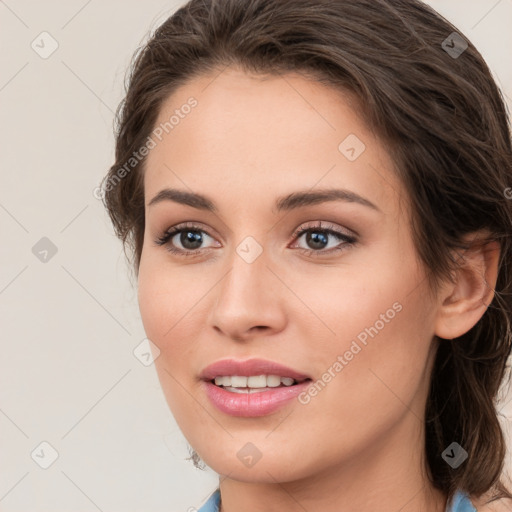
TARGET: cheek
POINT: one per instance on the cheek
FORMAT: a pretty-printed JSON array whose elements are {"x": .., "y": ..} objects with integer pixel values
[
  {"x": 167, "y": 299},
  {"x": 173, "y": 305},
  {"x": 170, "y": 321},
  {"x": 379, "y": 366},
  {"x": 153, "y": 303},
  {"x": 370, "y": 343}
]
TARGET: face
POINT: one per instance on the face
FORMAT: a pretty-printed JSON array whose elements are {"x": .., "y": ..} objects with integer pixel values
[{"x": 331, "y": 288}]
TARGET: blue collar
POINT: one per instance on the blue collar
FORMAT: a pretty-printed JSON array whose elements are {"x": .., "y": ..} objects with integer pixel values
[
  {"x": 460, "y": 503},
  {"x": 212, "y": 505}
]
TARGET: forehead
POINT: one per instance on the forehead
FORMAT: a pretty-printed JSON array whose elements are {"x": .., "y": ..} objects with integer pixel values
[{"x": 256, "y": 135}]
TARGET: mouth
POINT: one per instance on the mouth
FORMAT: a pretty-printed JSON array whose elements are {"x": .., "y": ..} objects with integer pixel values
[
  {"x": 251, "y": 388},
  {"x": 254, "y": 383},
  {"x": 245, "y": 401}
]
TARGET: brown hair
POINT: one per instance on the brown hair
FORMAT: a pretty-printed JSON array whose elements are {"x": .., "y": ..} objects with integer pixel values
[{"x": 445, "y": 125}]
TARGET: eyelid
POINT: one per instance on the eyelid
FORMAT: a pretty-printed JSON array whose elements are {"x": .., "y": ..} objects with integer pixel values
[
  {"x": 346, "y": 237},
  {"x": 172, "y": 231},
  {"x": 192, "y": 225},
  {"x": 324, "y": 226}
]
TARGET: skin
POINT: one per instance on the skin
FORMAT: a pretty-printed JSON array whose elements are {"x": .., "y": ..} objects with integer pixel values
[{"x": 358, "y": 444}]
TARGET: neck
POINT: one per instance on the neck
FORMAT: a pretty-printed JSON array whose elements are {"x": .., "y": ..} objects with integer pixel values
[{"x": 387, "y": 477}]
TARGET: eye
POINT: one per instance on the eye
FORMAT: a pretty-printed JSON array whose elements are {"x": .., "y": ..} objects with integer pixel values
[
  {"x": 317, "y": 236},
  {"x": 191, "y": 236}
]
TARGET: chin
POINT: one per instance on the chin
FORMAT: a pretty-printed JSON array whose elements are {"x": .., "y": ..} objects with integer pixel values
[{"x": 271, "y": 467}]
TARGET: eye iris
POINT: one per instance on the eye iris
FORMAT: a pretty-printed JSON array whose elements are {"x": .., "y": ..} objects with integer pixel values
[
  {"x": 194, "y": 237},
  {"x": 317, "y": 237}
]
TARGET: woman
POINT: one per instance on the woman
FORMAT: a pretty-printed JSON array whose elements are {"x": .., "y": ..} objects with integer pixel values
[{"x": 316, "y": 197}]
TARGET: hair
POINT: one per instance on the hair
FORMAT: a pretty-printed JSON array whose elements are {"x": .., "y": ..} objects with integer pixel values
[{"x": 445, "y": 124}]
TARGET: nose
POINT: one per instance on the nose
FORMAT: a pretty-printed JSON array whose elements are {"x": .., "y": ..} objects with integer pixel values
[{"x": 249, "y": 300}]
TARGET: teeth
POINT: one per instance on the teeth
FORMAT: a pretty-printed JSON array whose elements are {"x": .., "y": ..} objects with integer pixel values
[
  {"x": 259, "y": 381},
  {"x": 245, "y": 390},
  {"x": 256, "y": 381},
  {"x": 239, "y": 382},
  {"x": 273, "y": 381}
]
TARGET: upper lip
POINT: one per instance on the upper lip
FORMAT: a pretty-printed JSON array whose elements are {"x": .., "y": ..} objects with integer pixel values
[{"x": 249, "y": 367}]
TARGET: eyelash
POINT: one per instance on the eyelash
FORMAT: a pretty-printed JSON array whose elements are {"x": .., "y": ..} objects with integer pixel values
[{"x": 170, "y": 233}]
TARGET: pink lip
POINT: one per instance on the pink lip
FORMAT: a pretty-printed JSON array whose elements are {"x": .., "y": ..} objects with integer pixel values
[
  {"x": 249, "y": 367},
  {"x": 251, "y": 404}
]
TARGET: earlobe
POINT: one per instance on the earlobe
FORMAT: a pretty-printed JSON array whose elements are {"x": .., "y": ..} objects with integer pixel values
[{"x": 465, "y": 301}]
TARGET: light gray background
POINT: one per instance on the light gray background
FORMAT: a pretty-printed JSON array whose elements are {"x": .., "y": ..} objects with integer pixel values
[{"x": 68, "y": 375}]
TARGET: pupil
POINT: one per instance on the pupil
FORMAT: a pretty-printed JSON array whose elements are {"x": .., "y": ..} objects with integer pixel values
[
  {"x": 315, "y": 237},
  {"x": 192, "y": 237}
]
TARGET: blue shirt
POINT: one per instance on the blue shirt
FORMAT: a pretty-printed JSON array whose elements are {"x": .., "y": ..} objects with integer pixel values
[{"x": 460, "y": 503}]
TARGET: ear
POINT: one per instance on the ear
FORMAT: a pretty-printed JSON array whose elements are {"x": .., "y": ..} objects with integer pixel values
[{"x": 463, "y": 302}]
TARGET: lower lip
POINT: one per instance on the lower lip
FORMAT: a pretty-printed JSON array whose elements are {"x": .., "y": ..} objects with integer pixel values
[{"x": 252, "y": 404}]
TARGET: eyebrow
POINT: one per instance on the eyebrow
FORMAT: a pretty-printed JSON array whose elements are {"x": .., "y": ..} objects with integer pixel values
[{"x": 289, "y": 202}]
